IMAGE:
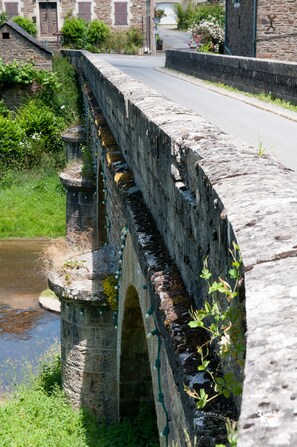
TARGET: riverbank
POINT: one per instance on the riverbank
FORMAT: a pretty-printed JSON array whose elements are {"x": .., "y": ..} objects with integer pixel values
[
  {"x": 41, "y": 405},
  {"x": 32, "y": 204}
]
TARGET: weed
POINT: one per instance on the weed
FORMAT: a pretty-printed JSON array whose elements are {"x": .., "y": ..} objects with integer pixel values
[
  {"x": 261, "y": 149},
  {"x": 265, "y": 97},
  {"x": 60, "y": 254},
  {"x": 224, "y": 326}
]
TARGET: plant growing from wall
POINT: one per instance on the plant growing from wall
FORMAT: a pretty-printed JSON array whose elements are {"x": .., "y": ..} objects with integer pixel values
[
  {"x": 109, "y": 288},
  {"x": 222, "y": 318},
  {"x": 27, "y": 24}
]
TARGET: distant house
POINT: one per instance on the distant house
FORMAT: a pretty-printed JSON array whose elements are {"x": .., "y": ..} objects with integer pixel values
[
  {"x": 17, "y": 44},
  {"x": 49, "y": 15},
  {"x": 262, "y": 28}
]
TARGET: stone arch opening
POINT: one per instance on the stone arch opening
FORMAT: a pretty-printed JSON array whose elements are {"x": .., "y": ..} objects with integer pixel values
[{"x": 135, "y": 384}]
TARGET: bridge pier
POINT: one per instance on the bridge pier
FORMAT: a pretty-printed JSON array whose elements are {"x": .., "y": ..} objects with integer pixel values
[
  {"x": 88, "y": 335},
  {"x": 88, "y": 350}
]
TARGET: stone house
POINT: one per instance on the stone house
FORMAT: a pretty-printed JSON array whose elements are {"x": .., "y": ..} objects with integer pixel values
[
  {"x": 50, "y": 15},
  {"x": 262, "y": 28},
  {"x": 17, "y": 44}
]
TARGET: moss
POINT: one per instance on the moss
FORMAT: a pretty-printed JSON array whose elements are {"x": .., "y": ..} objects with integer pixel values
[
  {"x": 112, "y": 158},
  {"x": 121, "y": 178},
  {"x": 106, "y": 137},
  {"x": 109, "y": 287}
]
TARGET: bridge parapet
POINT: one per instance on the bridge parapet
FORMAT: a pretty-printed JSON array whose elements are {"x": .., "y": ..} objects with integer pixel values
[{"x": 204, "y": 190}]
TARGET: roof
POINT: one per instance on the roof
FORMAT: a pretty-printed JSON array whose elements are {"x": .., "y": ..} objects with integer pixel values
[{"x": 26, "y": 35}]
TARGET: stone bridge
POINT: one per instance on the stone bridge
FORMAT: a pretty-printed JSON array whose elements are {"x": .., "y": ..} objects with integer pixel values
[{"x": 172, "y": 193}]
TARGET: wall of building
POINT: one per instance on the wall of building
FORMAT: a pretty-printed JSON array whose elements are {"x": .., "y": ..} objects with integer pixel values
[
  {"x": 139, "y": 14},
  {"x": 22, "y": 50},
  {"x": 239, "y": 28},
  {"x": 250, "y": 74},
  {"x": 277, "y": 29}
]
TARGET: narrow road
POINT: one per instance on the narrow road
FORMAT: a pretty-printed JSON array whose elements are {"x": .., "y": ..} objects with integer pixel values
[{"x": 250, "y": 124}]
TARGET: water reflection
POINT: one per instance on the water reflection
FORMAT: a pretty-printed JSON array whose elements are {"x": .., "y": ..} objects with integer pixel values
[{"x": 26, "y": 330}]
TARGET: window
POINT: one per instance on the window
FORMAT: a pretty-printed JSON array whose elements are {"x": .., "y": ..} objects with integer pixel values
[
  {"x": 120, "y": 13},
  {"x": 12, "y": 9},
  {"x": 5, "y": 35},
  {"x": 84, "y": 10}
]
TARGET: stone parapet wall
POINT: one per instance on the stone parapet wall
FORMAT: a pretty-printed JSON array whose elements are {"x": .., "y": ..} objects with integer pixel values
[
  {"x": 205, "y": 191},
  {"x": 249, "y": 74}
]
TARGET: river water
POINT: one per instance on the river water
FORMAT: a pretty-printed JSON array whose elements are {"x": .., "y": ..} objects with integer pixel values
[{"x": 26, "y": 330}]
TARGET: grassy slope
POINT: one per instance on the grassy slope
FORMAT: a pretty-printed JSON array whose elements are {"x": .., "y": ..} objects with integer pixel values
[
  {"x": 32, "y": 205},
  {"x": 38, "y": 415}
]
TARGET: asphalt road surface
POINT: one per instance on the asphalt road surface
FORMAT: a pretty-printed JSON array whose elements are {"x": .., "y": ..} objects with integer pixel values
[{"x": 278, "y": 135}]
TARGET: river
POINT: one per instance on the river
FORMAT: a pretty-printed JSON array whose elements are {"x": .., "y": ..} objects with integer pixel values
[{"x": 26, "y": 330}]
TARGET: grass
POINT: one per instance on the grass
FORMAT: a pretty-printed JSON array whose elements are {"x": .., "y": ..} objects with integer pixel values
[
  {"x": 38, "y": 415},
  {"x": 265, "y": 97},
  {"x": 32, "y": 204}
]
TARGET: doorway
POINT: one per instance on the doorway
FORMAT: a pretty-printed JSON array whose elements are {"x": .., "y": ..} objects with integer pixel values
[{"x": 48, "y": 18}]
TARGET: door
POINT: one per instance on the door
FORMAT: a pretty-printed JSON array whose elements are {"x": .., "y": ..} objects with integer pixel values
[{"x": 48, "y": 18}]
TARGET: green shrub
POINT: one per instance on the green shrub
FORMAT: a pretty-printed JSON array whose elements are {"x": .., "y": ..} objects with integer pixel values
[
  {"x": 26, "y": 24},
  {"x": 128, "y": 41},
  {"x": 75, "y": 32},
  {"x": 42, "y": 126},
  {"x": 3, "y": 17},
  {"x": 215, "y": 11},
  {"x": 194, "y": 14},
  {"x": 66, "y": 101},
  {"x": 15, "y": 73},
  {"x": 184, "y": 15},
  {"x": 97, "y": 33},
  {"x": 12, "y": 139},
  {"x": 135, "y": 37},
  {"x": 4, "y": 111}
]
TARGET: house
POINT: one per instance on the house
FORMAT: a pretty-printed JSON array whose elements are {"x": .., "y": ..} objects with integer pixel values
[
  {"x": 17, "y": 44},
  {"x": 262, "y": 28},
  {"x": 49, "y": 15}
]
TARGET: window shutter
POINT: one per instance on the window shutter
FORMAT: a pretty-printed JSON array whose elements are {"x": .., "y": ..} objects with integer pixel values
[
  {"x": 84, "y": 10},
  {"x": 121, "y": 13},
  {"x": 11, "y": 9}
]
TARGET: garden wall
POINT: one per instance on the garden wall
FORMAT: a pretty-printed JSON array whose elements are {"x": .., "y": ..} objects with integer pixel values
[{"x": 249, "y": 74}]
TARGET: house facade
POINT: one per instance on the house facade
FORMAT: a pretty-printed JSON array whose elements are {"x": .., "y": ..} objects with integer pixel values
[
  {"x": 49, "y": 15},
  {"x": 262, "y": 28}
]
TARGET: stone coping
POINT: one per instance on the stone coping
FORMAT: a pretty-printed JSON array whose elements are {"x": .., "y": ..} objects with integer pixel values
[
  {"x": 72, "y": 178},
  {"x": 76, "y": 134},
  {"x": 80, "y": 277}
]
